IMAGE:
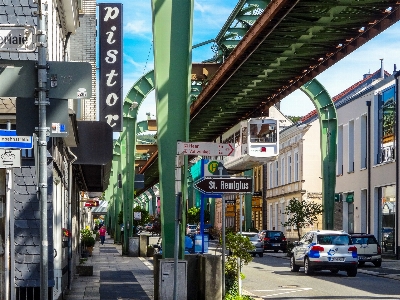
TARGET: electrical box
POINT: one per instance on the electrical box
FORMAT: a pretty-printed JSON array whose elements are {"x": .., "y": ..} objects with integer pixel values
[{"x": 166, "y": 280}]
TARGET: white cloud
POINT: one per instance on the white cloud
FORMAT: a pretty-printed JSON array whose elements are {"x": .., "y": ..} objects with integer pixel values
[{"x": 140, "y": 27}]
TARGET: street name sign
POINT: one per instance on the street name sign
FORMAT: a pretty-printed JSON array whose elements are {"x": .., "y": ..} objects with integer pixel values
[
  {"x": 9, "y": 139},
  {"x": 237, "y": 185},
  {"x": 17, "y": 38},
  {"x": 205, "y": 149},
  {"x": 65, "y": 79},
  {"x": 10, "y": 158}
]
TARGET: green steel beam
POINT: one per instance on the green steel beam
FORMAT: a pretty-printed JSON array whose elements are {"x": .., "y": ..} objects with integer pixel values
[
  {"x": 328, "y": 122},
  {"x": 172, "y": 35}
]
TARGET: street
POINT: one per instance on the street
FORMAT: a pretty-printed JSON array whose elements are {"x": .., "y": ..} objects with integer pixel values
[{"x": 269, "y": 277}]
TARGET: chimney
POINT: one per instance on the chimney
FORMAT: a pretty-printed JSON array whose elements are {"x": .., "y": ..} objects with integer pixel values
[
  {"x": 394, "y": 69},
  {"x": 382, "y": 71}
]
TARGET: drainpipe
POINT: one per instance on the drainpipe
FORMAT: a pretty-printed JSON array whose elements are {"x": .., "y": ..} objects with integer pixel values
[
  {"x": 368, "y": 103},
  {"x": 69, "y": 222}
]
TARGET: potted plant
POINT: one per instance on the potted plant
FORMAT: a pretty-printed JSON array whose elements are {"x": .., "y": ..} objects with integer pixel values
[{"x": 87, "y": 240}]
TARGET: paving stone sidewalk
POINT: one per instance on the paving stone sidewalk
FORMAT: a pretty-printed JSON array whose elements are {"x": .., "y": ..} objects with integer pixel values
[{"x": 114, "y": 276}]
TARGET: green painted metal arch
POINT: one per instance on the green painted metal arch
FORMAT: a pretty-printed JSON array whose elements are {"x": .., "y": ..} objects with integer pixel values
[
  {"x": 328, "y": 123},
  {"x": 139, "y": 91}
]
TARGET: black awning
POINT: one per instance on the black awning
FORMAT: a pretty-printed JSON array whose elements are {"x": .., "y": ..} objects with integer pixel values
[{"x": 94, "y": 153}]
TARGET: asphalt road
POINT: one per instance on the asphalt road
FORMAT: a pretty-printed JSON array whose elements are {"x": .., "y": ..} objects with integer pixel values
[{"x": 269, "y": 277}]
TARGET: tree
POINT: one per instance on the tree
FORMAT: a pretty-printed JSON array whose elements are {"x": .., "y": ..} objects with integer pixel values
[
  {"x": 144, "y": 216},
  {"x": 302, "y": 213},
  {"x": 193, "y": 215}
]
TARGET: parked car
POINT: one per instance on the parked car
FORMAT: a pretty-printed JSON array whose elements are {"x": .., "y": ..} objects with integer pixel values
[
  {"x": 325, "y": 250},
  {"x": 148, "y": 227},
  {"x": 256, "y": 241},
  {"x": 191, "y": 229},
  {"x": 274, "y": 240},
  {"x": 387, "y": 238},
  {"x": 368, "y": 249}
]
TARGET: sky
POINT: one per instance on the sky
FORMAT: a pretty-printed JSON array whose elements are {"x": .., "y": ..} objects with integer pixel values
[{"x": 209, "y": 17}]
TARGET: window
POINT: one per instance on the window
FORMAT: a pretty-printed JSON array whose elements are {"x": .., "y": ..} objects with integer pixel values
[
  {"x": 289, "y": 171},
  {"x": 277, "y": 173},
  {"x": 363, "y": 149},
  {"x": 351, "y": 146},
  {"x": 283, "y": 171},
  {"x": 296, "y": 166},
  {"x": 386, "y": 123},
  {"x": 339, "y": 170},
  {"x": 271, "y": 177}
]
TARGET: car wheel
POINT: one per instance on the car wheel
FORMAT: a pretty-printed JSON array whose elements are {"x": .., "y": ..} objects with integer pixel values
[
  {"x": 284, "y": 250},
  {"x": 293, "y": 266},
  {"x": 307, "y": 268},
  {"x": 260, "y": 254},
  {"x": 334, "y": 271},
  {"x": 276, "y": 251},
  {"x": 352, "y": 272},
  {"x": 377, "y": 263}
]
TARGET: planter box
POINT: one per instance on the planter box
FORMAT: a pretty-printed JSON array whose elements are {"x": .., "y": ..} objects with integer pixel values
[{"x": 83, "y": 270}]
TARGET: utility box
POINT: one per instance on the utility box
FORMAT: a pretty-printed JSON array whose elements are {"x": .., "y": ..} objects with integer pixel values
[
  {"x": 133, "y": 246},
  {"x": 166, "y": 279}
]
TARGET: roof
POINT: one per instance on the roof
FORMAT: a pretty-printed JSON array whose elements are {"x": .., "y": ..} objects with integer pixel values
[
  {"x": 349, "y": 92},
  {"x": 101, "y": 209}
]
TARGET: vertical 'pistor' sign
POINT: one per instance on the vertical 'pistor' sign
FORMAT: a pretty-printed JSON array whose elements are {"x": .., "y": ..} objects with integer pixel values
[{"x": 110, "y": 46}]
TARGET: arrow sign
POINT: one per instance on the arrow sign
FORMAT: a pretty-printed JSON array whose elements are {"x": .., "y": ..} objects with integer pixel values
[
  {"x": 206, "y": 149},
  {"x": 220, "y": 185}
]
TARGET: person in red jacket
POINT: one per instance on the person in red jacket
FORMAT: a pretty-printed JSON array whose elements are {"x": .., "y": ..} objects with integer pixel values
[{"x": 102, "y": 232}]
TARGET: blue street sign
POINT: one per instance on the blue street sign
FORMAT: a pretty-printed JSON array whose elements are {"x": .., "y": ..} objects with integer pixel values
[{"x": 9, "y": 139}]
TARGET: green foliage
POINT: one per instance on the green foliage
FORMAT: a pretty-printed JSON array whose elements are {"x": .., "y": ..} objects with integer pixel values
[
  {"x": 193, "y": 215},
  {"x": 145, "y": 218},
  {"x": 294, "y": 119},
  {"x": 239, "y": 247},
  {"x": 302, "y": 213},
  {"x": 87, "y": 237}
]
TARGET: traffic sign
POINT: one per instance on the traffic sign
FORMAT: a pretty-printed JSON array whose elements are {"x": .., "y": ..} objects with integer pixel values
[
  {"x": 17, "y": 38},
  {"x": 65, "y": 79},
  {"x": 221, "y": 185},
  {"x": 9, "y": 139},
  {"x": 205, "y": 148},
  {"x": 10, "y": 158}
]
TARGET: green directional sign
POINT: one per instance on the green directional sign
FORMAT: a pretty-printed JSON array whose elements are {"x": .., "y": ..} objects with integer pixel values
[{"x": 65, "y": 80}]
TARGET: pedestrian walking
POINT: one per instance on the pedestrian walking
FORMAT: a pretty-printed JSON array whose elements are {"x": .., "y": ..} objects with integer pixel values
[{"x": 102, "y": 232}]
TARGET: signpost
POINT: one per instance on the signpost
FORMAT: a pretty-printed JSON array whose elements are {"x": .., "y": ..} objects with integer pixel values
[
  {"x": 236, "y": 185},
  {"x": 9, "y": 139},
  {"x": 10, "y": 158},
  {"x": 65, "y": 79},
  {"x": 205, "y": 149},
  {"x": 17, "y": 38}
]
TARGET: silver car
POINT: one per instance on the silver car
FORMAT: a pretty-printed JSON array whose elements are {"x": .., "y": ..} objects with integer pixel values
[
  {"x": 257, "y": 241},
  {"x": 325, "y": 250}
]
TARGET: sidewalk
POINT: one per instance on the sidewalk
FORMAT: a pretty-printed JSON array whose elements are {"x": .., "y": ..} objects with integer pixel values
[{"x": 114, "y": 276}]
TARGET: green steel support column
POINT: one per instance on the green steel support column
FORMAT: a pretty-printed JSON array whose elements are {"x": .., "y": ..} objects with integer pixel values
[
  {"x": 119, "y": 202},
  {"x": 116, "y": 195},
  {"x": 248, "y": 204},
  {"x": 328, "y": 122},
  {"x": 172, "y": 34},
  {"x": 152, "y": 201}
]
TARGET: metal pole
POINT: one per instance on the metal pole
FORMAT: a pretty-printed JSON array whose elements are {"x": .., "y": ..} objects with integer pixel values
[
  {"x": 241, "y": 214},
  {"x": 176, "y": 252},
  {"x": 42, "y": 182},
  {"x": 223, "y": 245}
]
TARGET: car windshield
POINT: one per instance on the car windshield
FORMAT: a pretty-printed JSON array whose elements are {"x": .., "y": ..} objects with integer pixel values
[
  {"x": 192, "y": 226},
  {"x": 333, "y": 239},
  {"x": 253, "y": 237}
]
